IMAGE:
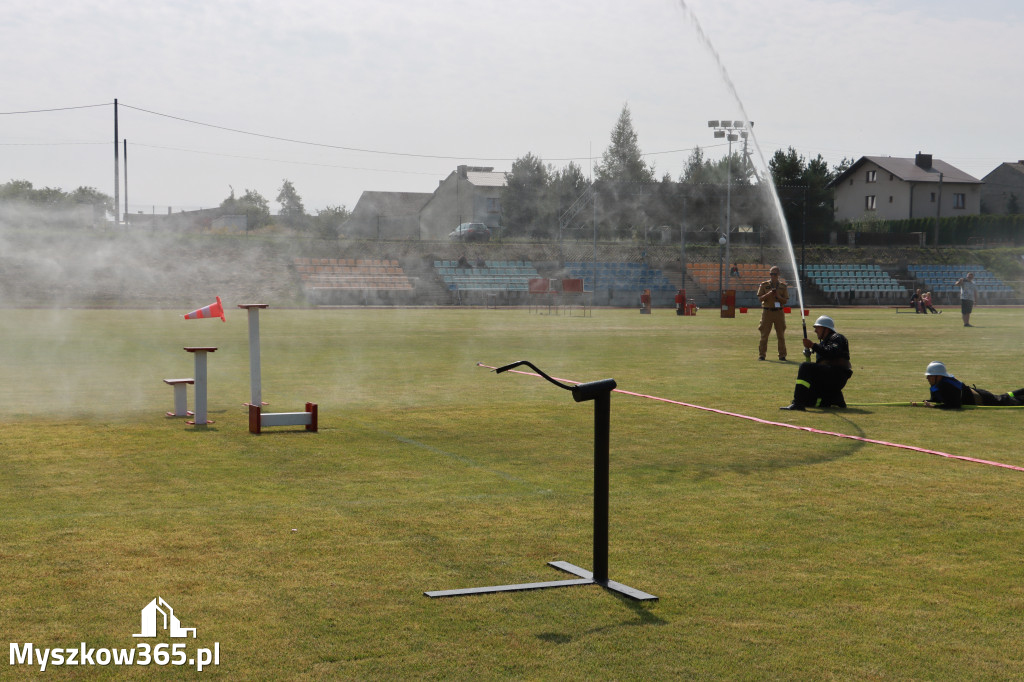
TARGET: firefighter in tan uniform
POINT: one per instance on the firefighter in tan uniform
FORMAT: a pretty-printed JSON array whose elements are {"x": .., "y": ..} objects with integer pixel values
[{"x": 773, "y": 295}]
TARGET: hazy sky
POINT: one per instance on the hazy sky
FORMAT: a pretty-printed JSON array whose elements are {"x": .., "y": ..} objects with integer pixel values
[{"x": 422, "y": 87}]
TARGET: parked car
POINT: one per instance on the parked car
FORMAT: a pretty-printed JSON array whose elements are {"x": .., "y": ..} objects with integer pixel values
[{"x": 470, "y": 232}]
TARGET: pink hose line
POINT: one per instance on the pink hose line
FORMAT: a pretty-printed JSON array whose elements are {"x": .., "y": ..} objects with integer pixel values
[{"x": 790, "y": 426}]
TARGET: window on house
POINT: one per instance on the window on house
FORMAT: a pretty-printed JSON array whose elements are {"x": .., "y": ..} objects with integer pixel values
[
  {"x": 494, "y": 205},
  {"x": 933, "y": 197},
  {"x": 890, "y": 198},
  {"x": 959, "y": 200},
  {"x": 869, "y": 202},
  {"x": 871, "y": 176},
  {"x": 890, "y": 177}
]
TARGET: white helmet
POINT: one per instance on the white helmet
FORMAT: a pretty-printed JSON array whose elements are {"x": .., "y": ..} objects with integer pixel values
[
  {"x": 825, "y": 321},
  {"x": 936, "y": 369}
]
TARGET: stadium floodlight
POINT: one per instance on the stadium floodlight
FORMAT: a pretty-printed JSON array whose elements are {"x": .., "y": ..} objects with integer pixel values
[{"x": 731, "y": 131}]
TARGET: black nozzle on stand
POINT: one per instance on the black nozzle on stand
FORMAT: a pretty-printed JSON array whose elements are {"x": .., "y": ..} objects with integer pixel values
[{"x": 592, "y": 390}]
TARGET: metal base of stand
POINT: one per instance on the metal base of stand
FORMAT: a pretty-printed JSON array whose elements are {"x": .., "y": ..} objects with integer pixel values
[{"x": 586, "y": 578}]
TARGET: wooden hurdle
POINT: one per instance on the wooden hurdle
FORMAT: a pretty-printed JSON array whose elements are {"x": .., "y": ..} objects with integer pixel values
[{"x": 258, "y": 420}]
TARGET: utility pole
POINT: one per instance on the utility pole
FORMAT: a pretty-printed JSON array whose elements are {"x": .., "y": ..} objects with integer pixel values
[
  {"x": 125, "y": 180},
  {"x": 117, "y": 172}
]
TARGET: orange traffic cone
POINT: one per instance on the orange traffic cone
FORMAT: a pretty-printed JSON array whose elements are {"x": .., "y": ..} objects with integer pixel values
[{"x": 212, "y": 310}]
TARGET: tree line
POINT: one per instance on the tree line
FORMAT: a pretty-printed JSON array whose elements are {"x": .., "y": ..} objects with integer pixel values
[
  {"x": 23, "y": 192},
  {"x": 325, "y": 222},
  {"x": 625, "y": 198}
]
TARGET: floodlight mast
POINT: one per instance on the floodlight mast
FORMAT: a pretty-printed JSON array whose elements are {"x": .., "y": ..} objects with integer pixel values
[
  {"x": 600, "y": 393},
  {"x": 731, "y": 131}
]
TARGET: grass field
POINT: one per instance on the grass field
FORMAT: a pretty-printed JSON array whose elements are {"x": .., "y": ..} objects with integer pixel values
[{"x": 775, "y": 553}]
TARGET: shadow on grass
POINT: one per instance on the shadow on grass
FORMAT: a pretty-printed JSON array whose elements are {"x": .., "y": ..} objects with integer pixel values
[
  {"x": 643, "y": 614},
  {"x": 806, "y": 455}
]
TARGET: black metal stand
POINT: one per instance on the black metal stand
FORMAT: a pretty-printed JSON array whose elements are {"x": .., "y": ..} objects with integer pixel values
[{"x": 600, "y": 393}]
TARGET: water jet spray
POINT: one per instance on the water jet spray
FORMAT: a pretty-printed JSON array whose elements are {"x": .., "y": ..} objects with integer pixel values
[{"x": 765, "y": 181}]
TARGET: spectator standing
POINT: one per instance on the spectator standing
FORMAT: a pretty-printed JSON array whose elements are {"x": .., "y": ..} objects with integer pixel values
[{"x": 968, "y": 294}]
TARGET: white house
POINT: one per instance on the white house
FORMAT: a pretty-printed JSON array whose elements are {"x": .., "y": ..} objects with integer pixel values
[{"x": 892, "y": 188}]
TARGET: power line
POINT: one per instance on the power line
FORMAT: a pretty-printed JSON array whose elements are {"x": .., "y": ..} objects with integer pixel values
[
  {"x": 369, "y": 151},
  {"x": 40, "y": 111},
  {"x": 45, "y": 144},
  {"x": 314, "y": 144},
  {"x": 260, "y": 158},
  {"x": 318, "y": 144}
]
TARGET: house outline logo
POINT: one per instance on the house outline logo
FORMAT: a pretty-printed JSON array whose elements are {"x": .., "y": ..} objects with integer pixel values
[{"x": 170, "y": 621}]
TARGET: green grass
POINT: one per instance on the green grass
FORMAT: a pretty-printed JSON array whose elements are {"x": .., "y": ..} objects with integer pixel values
[{"x": 776, "y": 553}]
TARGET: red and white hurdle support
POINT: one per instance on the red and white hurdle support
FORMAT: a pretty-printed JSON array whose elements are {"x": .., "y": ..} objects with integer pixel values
[{"x": 257, "y": 418}]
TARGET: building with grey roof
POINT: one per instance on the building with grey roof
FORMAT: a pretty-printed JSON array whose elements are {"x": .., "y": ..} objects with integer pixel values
[
  {"x": 1003, "y": 192},
  {"x": 386, "y": 215},
  {"x": 469, "y": 194},
  {"x": 892, "y": 188}
]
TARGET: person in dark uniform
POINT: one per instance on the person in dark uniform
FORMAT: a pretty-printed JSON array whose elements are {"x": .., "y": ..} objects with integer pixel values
[
  {"x": 821, "y": 383},
  {"x": 947, "y": 393},
  {"x": 773, "y": 295}
]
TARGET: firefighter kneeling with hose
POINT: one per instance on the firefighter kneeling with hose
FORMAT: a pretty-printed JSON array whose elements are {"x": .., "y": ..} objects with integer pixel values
[{"x": 821, "y": 383}]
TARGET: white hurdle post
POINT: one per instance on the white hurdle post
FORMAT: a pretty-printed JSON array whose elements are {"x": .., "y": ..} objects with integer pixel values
[
  {"x": 180, "y": 397},
  {"x": 257, "y": 419},
  {"x": 199, "y": 352},
  {"x": 255, "y": 380}
]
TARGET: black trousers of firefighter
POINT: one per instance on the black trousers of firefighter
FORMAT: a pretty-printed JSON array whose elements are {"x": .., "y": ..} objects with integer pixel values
[{"x": 820, "y": 385}]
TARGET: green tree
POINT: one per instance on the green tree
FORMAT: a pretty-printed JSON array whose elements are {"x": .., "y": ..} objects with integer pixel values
[
  {"x": 803, "y": 188},
  {"x": 702, "y": 195},
  {"x": 54, "y": 197},
  {"x": 230, "y": 204},
  {"x": 698, "y": 170},
  {"x": 818, "y": 177},
  {"x": 330, "y": 219},
  {"x": 623, "y": 162},
  {"x": 524, "y": 196},
  {"x": 16, "y": 190},
  {"x": 101, "y": 203},
  {"x": 566, "y": 187},
  {"x": 623, "y": 180},
  {"x": 292, "y": 212},
  {"x": 254, "y": 205},
  {"x": 843, "y": 165}
]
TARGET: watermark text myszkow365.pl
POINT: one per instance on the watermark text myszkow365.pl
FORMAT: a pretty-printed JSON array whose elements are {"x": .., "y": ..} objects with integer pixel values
[{"x": 154, "y": 615}]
